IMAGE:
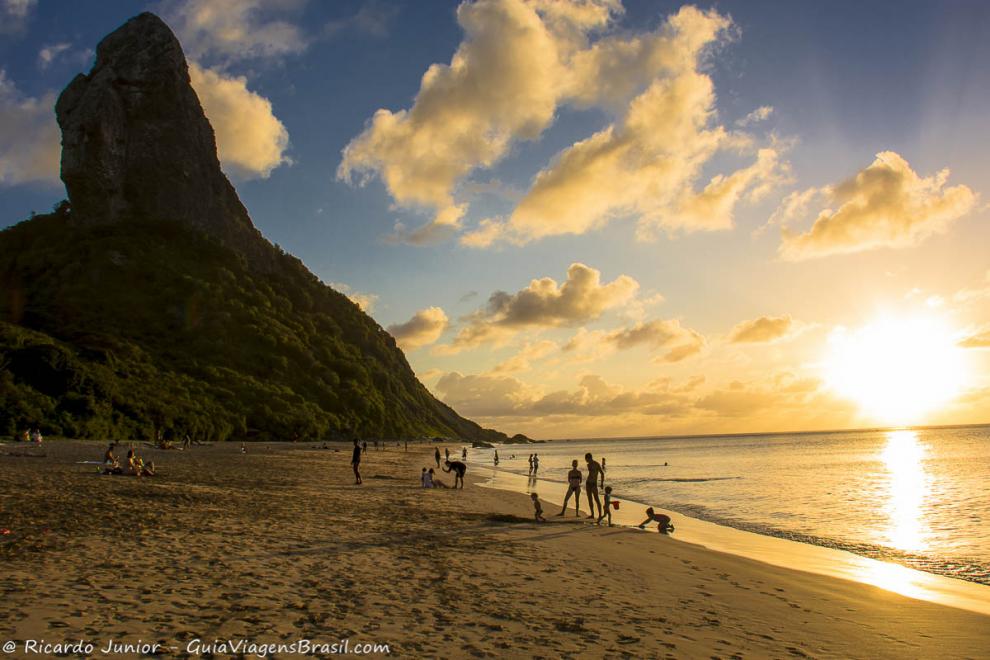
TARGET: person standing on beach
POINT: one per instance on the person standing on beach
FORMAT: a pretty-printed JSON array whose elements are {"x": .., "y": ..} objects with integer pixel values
[
  {"x": 356, "y": 461},
  {"x": 574, "y": 478},
  {"x": 464, "y": 454},
  {"x": 446, "y": 453},
  {"x": 603, "y": 471},
  {"x": 364, "y": 447},
  {"x": 458, "y": 469},
  {"x": 496, "y": 457},
  {"x": 531, "y": 464},
  {"x": 436, "y": 455},
  {"x": 536, "y": 463},
  {"x": 595, "y": 473}
]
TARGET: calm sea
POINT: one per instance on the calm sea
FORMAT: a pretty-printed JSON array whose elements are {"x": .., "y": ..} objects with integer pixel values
[{"x": 917, "y": 497}]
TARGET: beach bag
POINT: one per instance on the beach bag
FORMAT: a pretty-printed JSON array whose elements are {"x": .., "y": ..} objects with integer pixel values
[{"x": 615, "y": 504}]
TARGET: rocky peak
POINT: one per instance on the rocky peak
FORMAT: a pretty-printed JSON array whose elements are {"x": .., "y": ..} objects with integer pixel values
[{"x": 137, "y": 145}]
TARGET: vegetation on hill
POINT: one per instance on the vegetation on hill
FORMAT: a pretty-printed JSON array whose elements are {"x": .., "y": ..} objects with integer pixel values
[{"x": 127, "y": 329}]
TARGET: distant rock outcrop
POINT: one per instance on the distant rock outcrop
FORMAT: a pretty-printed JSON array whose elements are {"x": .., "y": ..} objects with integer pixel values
[{"x": 136, "y": 143}]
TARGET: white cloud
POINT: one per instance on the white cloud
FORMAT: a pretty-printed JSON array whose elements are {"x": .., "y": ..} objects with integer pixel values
[
  {"x": 251, "y": 141},
  {"x": 366, "y": 301},
  {"x": 756, "y": 116},
  {"x": 48, "y": 54},
  {"x": 14, "y": 15},
  {"x": 233, "y": 30},
  {"x": 424, "y": 328},
  {"x": 374, "y": 18},
  {"x": 30, "y": 142},
  {"x": 886, "y": 204}
]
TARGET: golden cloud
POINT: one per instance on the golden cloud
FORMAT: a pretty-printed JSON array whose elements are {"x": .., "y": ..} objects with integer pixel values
[
  {"x": 544, "y": 303},
  {"x": 251, "y": 141},
  {"x": 424, "y": 328},
  {"x": 886, "y": 204},
  {"x": 518, "y": 63},
  {"x": 762, "y": 329}
]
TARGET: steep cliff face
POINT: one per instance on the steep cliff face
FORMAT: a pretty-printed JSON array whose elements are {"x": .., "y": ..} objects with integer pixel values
[
  {"x": 136, "y": 143},
  {"x": 151, "y": 303}
]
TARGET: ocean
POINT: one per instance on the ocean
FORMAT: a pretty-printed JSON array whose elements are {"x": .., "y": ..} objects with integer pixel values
[{"x": 918, "y": 497}]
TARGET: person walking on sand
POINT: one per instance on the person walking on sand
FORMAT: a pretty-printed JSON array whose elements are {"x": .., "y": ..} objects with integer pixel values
[
  {"x": 458, "y": 469},
  {"x": 608, "y": 505},
  {"x": 591, "y": 486},
  {"x": 574, "y": 478},
  {"x": 356, "y": 461},
  {"x": 436, "y": 455}
]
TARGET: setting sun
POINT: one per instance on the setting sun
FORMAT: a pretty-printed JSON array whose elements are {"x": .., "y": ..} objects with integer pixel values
[{"x": 897, "y": 369}]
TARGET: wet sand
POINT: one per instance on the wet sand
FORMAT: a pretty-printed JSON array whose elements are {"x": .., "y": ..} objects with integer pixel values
[{"x": 279, "y": 545}]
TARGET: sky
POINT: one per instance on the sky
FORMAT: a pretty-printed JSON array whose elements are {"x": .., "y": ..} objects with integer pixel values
[{"x": 595, "y": 218}]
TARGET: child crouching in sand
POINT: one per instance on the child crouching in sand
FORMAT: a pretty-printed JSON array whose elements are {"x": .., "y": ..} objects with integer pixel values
[
  {"x": 664, "y": 525},
  {"x": 537, "y": 508}
]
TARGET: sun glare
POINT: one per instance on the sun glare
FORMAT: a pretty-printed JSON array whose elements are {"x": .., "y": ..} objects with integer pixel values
[{"x": 896, "y": 370}]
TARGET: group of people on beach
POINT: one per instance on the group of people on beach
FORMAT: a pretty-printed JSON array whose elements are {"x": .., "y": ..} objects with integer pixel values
[
  {"x": 31, "y": 435},
  {"x": 596, "y": 478},
  {"x": 135, "y": 464}
]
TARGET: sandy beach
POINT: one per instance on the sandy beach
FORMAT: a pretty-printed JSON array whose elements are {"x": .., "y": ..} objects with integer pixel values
[{"x": 278, "y": 545}]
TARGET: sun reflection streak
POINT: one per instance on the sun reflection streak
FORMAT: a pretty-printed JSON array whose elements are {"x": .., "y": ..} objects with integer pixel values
[{"x": 908, "y": 490}]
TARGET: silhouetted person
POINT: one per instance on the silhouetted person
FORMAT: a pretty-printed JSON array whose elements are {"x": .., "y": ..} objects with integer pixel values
[
  {"x": 458, "y": 469},
  {"x": 496, "y": 457},
  {"x": 356, "y": 461},
  {"x": 595, "y": 473},
  {"x": 436, "y": 455},
  {"x": 364, "y": 447},
  {"x": 531, "y": 464},
  {"x": 662, "y": 520},
  {"x": 573, "y": 488}
]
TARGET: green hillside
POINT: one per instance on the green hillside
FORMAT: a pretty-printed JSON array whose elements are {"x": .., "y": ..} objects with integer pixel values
[{"x": 120, "y": 330}]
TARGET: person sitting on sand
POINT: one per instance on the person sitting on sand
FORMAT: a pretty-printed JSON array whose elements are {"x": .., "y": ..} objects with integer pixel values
[
  {"x": 591, "y": 486},
  {"x": 148, "y": 469},
  {"x": 110, "y": 463},
  {"x": 458, "y": 469},
  {"x": 537, "y": 508},
  {"x": 608, "y": 505},
  {"x": 356, "y": 462},
  {"x": 574, "y": 478},
  {"x": 426, "y": 479},
  {"x": 132, "y": 460},
  {"x": 662, "y": 520}
]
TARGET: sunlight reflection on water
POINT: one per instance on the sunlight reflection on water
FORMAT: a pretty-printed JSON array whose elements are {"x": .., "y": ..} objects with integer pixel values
[{"x": 908, "y": 491}]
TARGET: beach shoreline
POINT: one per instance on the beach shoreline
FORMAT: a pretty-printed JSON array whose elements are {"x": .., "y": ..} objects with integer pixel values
[{"x": 278, "y": 544}]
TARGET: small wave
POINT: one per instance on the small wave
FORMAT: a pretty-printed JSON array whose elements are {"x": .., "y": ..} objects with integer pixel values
[
  {"x": 969, "y": 569},
  {"x": 680, "y": 480}
]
